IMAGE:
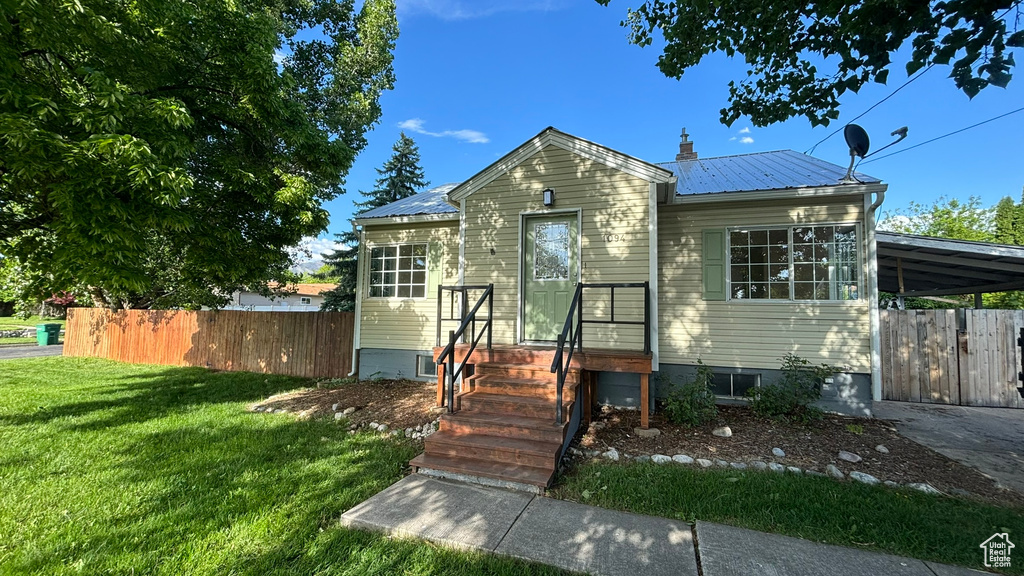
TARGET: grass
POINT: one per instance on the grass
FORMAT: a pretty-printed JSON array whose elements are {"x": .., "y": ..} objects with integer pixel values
[
  {"x": 109, "y": 468},
  {"x": 19, "y": 340},
  {"x": 12, "y": 323},
  {"x": 901, "y": 522}
]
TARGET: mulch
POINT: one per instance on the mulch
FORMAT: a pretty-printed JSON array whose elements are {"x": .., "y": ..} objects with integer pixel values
[
  {"x": 398, "y": 403},
  {"x": 810, "y": 447}
]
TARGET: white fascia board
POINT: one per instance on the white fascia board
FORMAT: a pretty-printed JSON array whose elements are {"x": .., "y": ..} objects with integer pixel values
[
  {"x": 552, "y": 137},
  {"x": 789, "y": 193},
  {"x": 447, "y": 216}
]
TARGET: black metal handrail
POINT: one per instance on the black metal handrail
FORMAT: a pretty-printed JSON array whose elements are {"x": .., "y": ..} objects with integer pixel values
[
  {"x": 468, "y": 320},
  {"x": 572, "y": 332}
]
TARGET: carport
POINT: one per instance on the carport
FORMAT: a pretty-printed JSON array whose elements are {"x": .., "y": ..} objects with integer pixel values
[{"x": 966, "y": 356}]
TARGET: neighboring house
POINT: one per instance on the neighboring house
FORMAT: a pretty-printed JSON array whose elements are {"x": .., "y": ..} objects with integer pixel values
[
  {"x": 301, "y": 298},
  {"x": 746, "y": 258}
]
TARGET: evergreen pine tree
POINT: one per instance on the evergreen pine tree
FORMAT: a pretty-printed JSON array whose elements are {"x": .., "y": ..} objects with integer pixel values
[{"x": 400, "y": 177}]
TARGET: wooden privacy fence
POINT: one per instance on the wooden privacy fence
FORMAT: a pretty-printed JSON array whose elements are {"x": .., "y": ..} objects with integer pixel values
[
  {"x": 967, "y": 357},
  {"x": 308, "y": 344}
]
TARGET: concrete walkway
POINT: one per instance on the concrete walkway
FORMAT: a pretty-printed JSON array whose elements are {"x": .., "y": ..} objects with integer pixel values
[
  {"x": 988, "y": 439},
  {"x": 29, "y": 351},
  {"x": 606, "y": 542}
]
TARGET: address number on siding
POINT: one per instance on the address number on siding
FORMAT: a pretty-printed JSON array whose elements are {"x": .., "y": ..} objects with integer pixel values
[{"x": 615, "y": 237}]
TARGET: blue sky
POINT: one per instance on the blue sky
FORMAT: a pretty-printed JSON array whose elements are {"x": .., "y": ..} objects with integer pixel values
[{"x": 476, "y": 78}]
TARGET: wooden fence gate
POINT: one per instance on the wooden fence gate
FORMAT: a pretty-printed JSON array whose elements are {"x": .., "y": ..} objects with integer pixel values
[{"x": 966, "y": 357}]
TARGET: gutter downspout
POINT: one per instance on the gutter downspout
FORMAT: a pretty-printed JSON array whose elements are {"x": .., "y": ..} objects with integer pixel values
[
  {"x": 357, "y": 320},
  {"x": 875, "y": 319}
]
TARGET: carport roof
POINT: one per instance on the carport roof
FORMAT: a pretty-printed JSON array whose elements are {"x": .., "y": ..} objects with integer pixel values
[{"x": 941, "y": 267}]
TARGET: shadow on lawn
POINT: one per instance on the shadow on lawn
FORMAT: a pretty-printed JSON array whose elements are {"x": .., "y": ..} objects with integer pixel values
[
  {"x": 144, "y": 396},
  {"x": 162, "y": 472}
]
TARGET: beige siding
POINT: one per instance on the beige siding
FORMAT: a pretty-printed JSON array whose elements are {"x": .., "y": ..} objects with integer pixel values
[
  {"x": 407, "y": 323},
  {"x": 611, "y": 203},
  {"x": 748, "y": 333}
]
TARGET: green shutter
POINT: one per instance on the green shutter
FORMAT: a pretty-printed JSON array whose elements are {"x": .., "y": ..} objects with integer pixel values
[
  {"x": 714, "y": 264},
  {"x": 435, "y": 263}
]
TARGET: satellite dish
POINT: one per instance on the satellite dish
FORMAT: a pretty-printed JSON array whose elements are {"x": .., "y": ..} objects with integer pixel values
[{"x": 858, "y": 141}]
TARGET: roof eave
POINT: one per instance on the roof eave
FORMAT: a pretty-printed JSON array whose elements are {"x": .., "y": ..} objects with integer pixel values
[
  {"x": 781, "y": 193},
  {"x": 412, "y": 218}
]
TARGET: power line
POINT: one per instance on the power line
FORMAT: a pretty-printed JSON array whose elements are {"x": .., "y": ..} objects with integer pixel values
[
  {"x": 873, "y": 106},
  {"x": 946, "y": 135}
]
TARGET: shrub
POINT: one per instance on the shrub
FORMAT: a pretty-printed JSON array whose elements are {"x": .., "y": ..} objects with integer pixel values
[
  {"x": 791, "y": 396},
  {"x": 693, "y": 403}
]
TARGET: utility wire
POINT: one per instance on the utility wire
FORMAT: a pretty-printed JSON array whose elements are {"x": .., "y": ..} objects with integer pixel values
[
  {"x": 945, "y": 135},
  {"x": 873, "y": 106}
]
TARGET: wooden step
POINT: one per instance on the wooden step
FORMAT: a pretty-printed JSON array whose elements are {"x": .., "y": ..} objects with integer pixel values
[
  {"x": 530, "y": 407},
  {"x": 509, "y": 425},
  {"x": 530, "y": 475},
  {"x": 506, "y": 449},
  {"x": 495, "y": 384},
  {"x": 524, "y": 372}
]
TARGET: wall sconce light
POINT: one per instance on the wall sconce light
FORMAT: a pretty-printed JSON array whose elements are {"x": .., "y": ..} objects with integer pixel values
[{"x": 549, "y": 197}]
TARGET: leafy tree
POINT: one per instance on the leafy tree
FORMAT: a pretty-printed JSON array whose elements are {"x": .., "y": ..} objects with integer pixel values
[
  {"x": 400, "y": 177},
  {"x": 944, "y": 218},
  {"x": 169, "y": 153},
  {"x": 803, "y": 56}
]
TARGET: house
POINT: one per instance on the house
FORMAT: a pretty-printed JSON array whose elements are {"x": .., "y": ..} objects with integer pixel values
[
  {"x": 642, "y": 268},
  {"x": 299, "y": 298}
]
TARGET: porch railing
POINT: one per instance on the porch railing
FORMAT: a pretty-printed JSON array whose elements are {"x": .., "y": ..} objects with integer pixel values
[
  {"x": 467, "y": 320},
  {"x": 572, "y": 333}
]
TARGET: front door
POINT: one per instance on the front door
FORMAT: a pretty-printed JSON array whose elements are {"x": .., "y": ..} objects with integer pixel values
[{"x": 550, "y": 272}]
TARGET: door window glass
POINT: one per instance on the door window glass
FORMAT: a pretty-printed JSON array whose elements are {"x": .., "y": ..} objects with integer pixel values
[{"x": 551, "y": 251}]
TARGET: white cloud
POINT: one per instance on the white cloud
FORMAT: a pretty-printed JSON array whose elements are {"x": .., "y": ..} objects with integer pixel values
[
  {"x": 746, "y": 140},
  {"x": 278, "y": 56},
  {"x": 745, "y": 131},
  {"x": 466, "y": 9},
  {"x": 471, "y": 136},
  {"x": 732, "y": 139},
  {"x": 311, "y": 248}
]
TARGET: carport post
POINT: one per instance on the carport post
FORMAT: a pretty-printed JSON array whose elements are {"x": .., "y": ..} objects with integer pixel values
[{"x": 978, "y": 304}]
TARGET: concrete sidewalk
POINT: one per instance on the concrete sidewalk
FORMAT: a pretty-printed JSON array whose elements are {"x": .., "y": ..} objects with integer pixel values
[
  {"x": 605, "y": 542},
  {"x": 29, "y": 351}
]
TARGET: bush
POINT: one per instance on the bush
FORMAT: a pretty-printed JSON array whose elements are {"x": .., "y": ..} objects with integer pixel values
[
  {"x": 693, "y": 403},
  {"x": 790, "y": 397}
]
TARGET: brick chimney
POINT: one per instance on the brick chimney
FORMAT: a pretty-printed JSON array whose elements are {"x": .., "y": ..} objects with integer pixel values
[{"x": 686, "y": 148}]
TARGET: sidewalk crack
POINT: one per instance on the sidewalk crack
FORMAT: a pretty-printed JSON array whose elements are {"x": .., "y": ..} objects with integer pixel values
[
  {"x": 696, "y": 549},
  {"x": 518, "y": 516}
]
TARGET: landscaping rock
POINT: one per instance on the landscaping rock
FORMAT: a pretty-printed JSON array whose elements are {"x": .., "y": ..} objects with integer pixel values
[
  {"x": 891, "y": 484},
  {"x": 758, "y": 465},
  {"x": 419, "y": 428},
  {"x": 834, "y": 472},
  {"x": 704, "y": 463},
  {"x": 738, "y": 465},
  {"x": 778, "y": 453},
  {"x": 353, "y": 426},
  {"x": 881, "y": 449},
  {"x": 660, "y": 459},
  {"x": 647, "y": 432},
  {"x": 776, "y": 467},
  {"x": 408, "y": 432},
  {"x": 924, "y": 487},
  {"x": 339, "y": 416},
  {"x": 815, "y": 473},
  {"x": 682, "y": 459},
  {"x": 349, "y": 410},
  {"x": 334, "y": 407},
  {"x": 592, "y": 453},
  {"x": 794, "y": 470},
  {"x": 373, "y": 425},
  {"x": 863, "y": 477},
  {"x": 722, "y": 432},
  {"x": 959, "y": 492},
  {"x": 721, "y": 463},
  {"x": 643, "y": 458},
  {"x": 612, "y": 455},
  {"x": 849, "y": 456},
  {"x": 383, "y": 427}
]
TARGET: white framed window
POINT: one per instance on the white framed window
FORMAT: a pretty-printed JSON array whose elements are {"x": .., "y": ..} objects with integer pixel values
[
  {"x": 398, "y": 271},
  {"x": 794, "y": 263},
  {"x": 425, "y": 365},
  {"x": 305, "y": 300}
]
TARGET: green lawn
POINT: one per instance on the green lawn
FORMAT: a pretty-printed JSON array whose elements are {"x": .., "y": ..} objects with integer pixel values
[
  {"x": 12, "y": 323},
  {"x": 19, "y": 340},
  {"x": 900, "y": 522},
  {"x": 109, "y": 468}
]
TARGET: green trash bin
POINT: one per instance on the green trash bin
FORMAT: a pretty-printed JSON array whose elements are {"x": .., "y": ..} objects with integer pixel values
[{"x": 48, "y": 334}]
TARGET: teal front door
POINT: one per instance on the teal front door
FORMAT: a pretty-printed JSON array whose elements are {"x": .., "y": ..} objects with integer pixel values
[{"x": 550, "y": 272}]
